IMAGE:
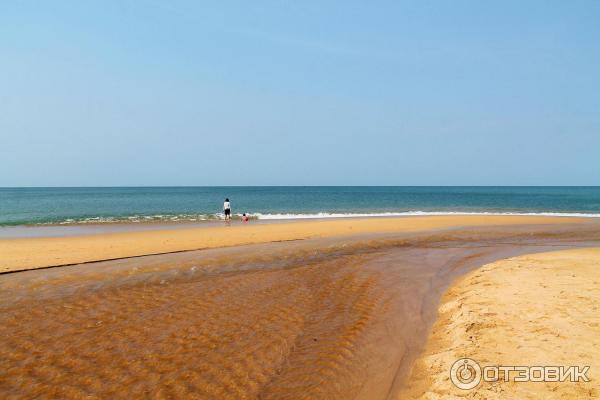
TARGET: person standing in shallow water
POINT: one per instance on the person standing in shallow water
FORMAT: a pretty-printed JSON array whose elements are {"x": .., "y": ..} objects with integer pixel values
[{"x": 227, "y": 209}]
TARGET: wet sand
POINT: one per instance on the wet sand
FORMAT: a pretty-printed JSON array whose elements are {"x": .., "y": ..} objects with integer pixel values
[
  {"x": 340, "y": 317},
  {"x": 36, "y": 252},
  {"x": 537, "y": 309}
]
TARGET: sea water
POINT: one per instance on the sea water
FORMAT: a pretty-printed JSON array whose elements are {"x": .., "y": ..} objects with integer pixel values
[{"x": 33, "y": 206}]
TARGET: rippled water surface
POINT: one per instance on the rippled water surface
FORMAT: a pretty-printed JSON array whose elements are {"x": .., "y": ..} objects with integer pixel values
[{"x": 19, "y": 206}]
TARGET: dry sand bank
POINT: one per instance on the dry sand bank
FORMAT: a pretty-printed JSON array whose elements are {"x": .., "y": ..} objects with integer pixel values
[
  {"x": 538, "y": 309},
  {"x": 21, "y": 254}
]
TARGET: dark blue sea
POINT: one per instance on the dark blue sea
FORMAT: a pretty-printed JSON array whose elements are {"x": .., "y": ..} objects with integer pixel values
[{"x": 32, "y": 206}]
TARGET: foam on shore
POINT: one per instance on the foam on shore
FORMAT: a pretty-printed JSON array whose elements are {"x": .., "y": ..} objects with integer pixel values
[
  {"x": 323, "y": 215},
  {"x": 168, "y": 218}
]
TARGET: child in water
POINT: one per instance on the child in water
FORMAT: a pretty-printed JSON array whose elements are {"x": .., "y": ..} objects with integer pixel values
[{"x": 245, "y": 218}]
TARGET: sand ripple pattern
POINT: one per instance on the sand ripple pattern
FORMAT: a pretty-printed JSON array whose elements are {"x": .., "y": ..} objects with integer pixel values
[{"x": 273, "y": 334}]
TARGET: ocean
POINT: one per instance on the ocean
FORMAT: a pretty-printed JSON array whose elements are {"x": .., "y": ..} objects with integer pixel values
[{"x": 44, "y": 206}]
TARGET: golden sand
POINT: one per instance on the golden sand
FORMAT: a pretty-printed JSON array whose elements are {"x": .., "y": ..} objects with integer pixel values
[
  {"x": 540, "y": 309},
  {"x": 21, "y": 254}
]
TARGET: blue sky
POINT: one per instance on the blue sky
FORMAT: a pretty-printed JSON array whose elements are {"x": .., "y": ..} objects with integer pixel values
[{"x": 299, "y": 93}]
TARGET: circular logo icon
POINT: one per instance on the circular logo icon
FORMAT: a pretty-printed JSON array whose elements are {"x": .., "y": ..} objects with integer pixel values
[{"x": 465, "y": 373}]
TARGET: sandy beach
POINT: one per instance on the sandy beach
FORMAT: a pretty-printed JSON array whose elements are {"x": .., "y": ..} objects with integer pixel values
[
  {"x": 532, "y": 310},
  {"x": 320, "y": 309},
  {"x": 29, "y": 253}
]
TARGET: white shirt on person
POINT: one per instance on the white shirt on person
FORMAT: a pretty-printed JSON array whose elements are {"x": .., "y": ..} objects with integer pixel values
[{"x": 226, "y": 206}]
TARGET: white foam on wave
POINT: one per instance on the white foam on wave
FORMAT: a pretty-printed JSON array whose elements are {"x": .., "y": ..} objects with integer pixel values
[
  {"x": 139, "y": 218},
  {"x": 292, "y": 216},
  {"x": 415, "y": 213}
]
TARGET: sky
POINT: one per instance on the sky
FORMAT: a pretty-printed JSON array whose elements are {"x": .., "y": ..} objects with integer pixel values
[{"x": 136, "y": 93}]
